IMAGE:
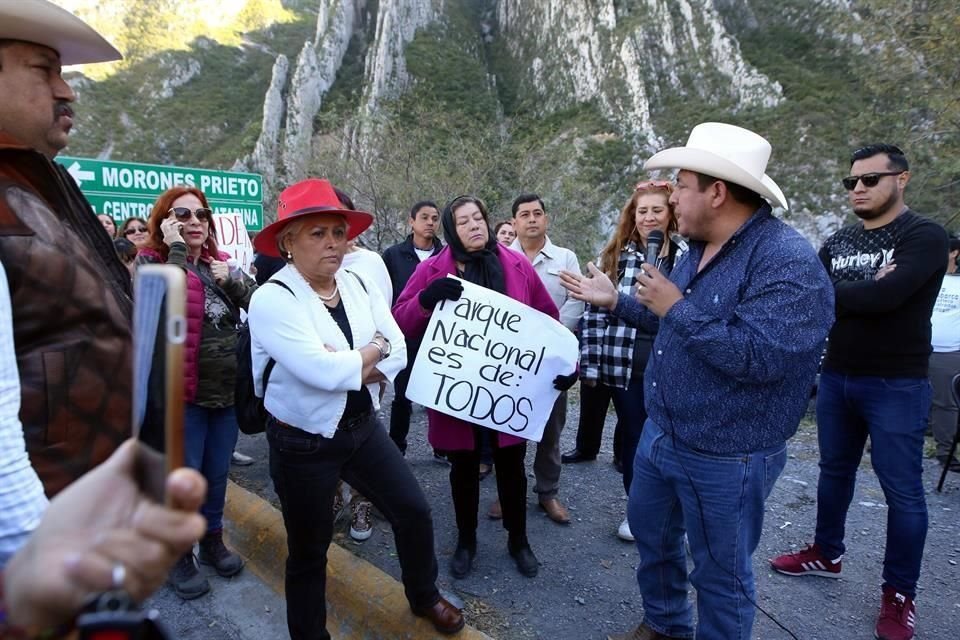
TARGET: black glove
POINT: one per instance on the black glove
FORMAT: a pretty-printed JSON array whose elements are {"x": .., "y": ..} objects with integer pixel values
[
  {"x": 442, "y": 289},
  {"x": 564, "y": 382}
]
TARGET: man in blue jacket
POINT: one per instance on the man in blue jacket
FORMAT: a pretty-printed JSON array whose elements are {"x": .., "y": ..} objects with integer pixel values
[{"x": 742, "y": 321}]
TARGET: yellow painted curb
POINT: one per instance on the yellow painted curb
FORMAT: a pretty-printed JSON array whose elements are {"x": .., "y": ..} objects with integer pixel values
[{"x": 363, "y": 601}]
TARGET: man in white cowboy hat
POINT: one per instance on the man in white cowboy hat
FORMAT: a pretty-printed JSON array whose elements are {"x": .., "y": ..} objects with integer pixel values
[
  {"x": 71, "y": 294},
  {"x": 887, "y": 269},
  {"x": 742, "y": 321}
]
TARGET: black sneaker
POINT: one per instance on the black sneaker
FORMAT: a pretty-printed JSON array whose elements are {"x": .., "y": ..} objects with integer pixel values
[{"x": 186, "y": 580}]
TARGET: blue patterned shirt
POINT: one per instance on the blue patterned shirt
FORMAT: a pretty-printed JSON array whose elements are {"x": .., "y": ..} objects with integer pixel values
[{"x": 734, "y": 361}]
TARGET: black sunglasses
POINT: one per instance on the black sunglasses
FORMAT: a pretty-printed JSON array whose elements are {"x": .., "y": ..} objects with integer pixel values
[
  {"x": 183, "y": 213},
  {"x": 132, "y": 230},
  {"x": 868, "y": 179}
]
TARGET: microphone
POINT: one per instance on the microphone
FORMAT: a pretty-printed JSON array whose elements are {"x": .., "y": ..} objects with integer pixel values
[{"x": 654, "y": 244}]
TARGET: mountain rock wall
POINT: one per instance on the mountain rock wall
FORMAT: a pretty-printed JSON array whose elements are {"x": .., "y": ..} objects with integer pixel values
[
  {"x": 314, "y": 73},
  {"x": 625, "y": 54}
]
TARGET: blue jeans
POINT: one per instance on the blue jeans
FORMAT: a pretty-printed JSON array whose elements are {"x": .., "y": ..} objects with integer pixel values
[
  {"x": 209, "y": 438},
  {"x": 893, "y": 412},
  {"x": 632, "y": 414},
  {"x": 305, "y": 469},
  {"x": 718, "y": 501}
]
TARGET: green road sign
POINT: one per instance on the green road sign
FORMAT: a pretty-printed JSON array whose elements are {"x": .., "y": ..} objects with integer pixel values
[
  {"x": 120, "y": 207},
  {"x": 125, "y": 189}
]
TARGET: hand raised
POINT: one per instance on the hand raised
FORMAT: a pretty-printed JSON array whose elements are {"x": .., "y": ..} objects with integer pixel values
[{"x": 596, "y": 288}]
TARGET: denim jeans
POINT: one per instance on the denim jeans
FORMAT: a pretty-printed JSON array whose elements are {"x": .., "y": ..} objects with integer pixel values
[
  {"x": 305, "y": 468},
  {"x": 893, "y": 412},
  {"x": 718, "y": 501},
  {"x": 208, "y": 441},
  {"x": 632, "y": 414}
]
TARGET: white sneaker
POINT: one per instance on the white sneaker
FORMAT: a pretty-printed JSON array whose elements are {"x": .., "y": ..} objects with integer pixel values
[
  {"x": 361, "y": 526},
  {"x": 241, "y": 460},
  {"x": 624, "y": 532}
]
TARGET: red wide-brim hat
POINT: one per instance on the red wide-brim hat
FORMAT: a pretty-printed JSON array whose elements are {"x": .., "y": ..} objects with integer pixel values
[{"x": 308, "y": 197}]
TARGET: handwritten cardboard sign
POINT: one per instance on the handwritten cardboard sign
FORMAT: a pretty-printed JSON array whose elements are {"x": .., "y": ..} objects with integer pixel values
[
  {"x": 490, "y": 360},
  {"x": 233, "y": 239}
]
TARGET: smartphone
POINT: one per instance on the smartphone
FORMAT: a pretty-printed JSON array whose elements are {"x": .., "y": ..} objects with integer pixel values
[{"x": 159, "y": 333}]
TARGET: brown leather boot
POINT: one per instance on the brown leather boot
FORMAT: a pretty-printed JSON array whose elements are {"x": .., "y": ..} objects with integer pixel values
[{"x": 643, "y": 632}]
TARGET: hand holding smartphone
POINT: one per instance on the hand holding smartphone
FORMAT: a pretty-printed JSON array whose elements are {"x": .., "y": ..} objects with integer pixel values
[
  {"x": 172, "y": 230},
  {"x": 159, "y": 332}
]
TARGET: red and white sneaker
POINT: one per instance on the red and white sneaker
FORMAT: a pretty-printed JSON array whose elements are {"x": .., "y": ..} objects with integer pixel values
[
  {"x": 809, "y": 562},
  {"x": 898, "y": 616}
]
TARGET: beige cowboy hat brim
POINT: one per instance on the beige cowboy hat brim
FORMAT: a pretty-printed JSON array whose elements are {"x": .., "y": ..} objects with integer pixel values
[
  {"x": 711, "y": 164},
  {"x": 44, "y": 23}
]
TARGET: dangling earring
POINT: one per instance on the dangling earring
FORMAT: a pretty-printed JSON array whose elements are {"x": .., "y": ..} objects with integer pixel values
[{"x": 289, "y": 255}]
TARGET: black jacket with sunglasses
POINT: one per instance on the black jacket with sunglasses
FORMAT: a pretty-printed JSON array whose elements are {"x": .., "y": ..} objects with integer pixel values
[{"x": 882, "y": 325}]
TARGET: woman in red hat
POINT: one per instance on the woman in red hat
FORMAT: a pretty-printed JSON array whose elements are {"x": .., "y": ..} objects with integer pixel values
[
  {"x": 322, "y": 340},
  {"x": 473, "y": 253},
  {"x": 182, "y": 232}
]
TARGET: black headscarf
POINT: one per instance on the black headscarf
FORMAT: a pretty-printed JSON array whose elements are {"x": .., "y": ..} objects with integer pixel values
[{"x": 481, "y": 267}]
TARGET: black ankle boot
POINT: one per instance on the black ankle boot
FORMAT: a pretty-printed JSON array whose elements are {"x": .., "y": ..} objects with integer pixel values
[
  {"x": 214, "y": 553},
  {"x": 527, "y": 563},
  {"x": 462, "y": 561}
]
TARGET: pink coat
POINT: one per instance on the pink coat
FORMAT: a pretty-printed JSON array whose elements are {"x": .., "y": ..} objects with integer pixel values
[
  {"x": 196, "y": 299},
  {"x": 522, "y": 284}
]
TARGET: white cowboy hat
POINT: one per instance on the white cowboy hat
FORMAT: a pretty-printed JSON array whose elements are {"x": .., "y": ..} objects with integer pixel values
[
  {"x": 726, "y": 152},
  {"x": 44, "y": 23}
]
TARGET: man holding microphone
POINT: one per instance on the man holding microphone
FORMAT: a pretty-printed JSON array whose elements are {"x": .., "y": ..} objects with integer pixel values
[{"x": 741, "y": 321}]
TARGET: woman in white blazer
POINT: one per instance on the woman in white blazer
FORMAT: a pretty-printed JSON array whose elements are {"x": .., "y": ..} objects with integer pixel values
[{"x": 332, "y": 340}]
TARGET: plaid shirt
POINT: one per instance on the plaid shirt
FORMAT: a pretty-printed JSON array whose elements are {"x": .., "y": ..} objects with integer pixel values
[
  {"x": 607, "y": 343},
  {"x": 22, "y": 501}
]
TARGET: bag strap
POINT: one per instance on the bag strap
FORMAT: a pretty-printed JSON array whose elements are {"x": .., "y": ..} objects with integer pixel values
[
  {"x": 271, "y": 362},
  {"x": 220, "y": 293},
  {"x": 359, "y": 279}
]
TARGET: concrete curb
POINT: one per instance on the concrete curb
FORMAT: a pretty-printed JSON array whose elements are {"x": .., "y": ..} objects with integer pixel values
[{"x": 363, "y": 601}]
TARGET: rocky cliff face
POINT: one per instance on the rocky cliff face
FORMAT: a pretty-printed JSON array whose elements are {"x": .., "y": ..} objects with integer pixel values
[
  {"x": 624, "y": 54},
  {"x": 269, "y": 83}
]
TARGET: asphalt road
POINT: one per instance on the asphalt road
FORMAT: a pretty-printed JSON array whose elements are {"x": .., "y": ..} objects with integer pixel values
[{"x": 586, "y": 586}]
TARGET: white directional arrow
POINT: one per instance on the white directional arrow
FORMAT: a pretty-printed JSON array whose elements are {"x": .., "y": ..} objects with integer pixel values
[{"x": 78, "y": 174}]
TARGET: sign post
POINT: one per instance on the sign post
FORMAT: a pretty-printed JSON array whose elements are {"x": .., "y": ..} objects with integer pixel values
[{"x": 126, "y": 189}]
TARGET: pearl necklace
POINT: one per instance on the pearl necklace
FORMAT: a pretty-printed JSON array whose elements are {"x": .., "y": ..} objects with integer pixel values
[{"x": 333, "y": 294}]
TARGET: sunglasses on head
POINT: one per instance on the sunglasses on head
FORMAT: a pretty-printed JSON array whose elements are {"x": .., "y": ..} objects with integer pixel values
[
  {"x": 183, "y": 213},
  {"x": 868, "y": 179},
  {"x": 652, "y": 184},
  {"x": 132, "y": 230}
]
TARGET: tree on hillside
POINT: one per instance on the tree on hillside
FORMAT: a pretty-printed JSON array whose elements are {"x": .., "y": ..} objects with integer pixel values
[{"x": 917, "y": 77}]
